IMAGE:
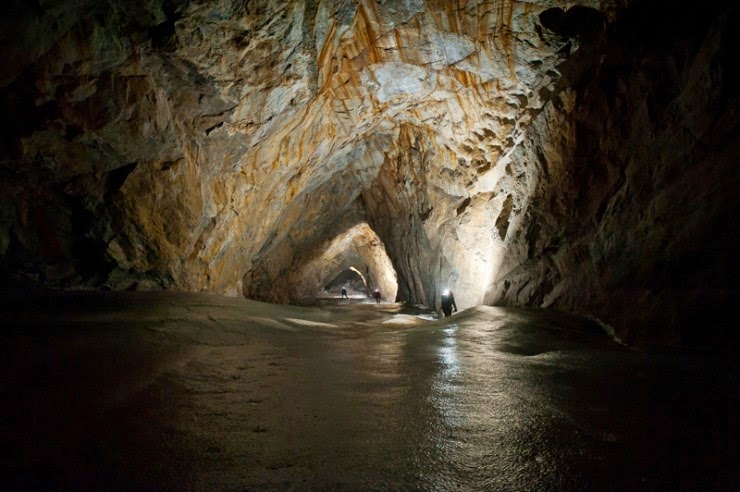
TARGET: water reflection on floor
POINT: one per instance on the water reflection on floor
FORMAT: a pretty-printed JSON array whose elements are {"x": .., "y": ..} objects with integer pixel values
[{"x": 198, "y": 392}]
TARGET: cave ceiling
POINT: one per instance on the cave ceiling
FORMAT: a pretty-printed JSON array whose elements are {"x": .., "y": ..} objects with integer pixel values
[{"x": 222, "y": 145}]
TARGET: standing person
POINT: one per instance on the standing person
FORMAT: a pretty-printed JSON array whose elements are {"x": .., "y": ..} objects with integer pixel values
[
  {"x": 376, "y": 295},
  {"x": 448, "y": 303},
  {"x": 344, "y": 293}
]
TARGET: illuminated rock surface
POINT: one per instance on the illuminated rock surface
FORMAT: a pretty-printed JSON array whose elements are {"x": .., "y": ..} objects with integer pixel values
[
  {"x": 172, "y": 391},
  {"x": 581, "y": 156}
]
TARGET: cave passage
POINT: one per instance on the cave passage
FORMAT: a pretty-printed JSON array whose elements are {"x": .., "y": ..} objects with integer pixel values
[
  {"x": 334, "y": 262},
  {"x": 350, "y": 279},
  {"x": 529, "y": 153},
  {"x": 183, "y": 181}
]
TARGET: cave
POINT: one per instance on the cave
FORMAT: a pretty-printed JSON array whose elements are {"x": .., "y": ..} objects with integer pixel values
[
  {"x": 156, "y": 148},
  {"x": 352, "y": 281},
  {"x": 568, "y": 168},
  {"x": 359, "y": 246}
]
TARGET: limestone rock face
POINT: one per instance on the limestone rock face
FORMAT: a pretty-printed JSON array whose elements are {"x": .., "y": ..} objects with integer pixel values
[
  {"x": 504, "y": 149},
  {"x": 360, "y": 248},
  {"x": 630, "y": 213}
]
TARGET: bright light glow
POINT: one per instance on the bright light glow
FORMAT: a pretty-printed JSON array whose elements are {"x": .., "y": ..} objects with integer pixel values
[
  {"x": 447, "y": 292},
  {"x": 403, "y": 320},
  {"x": 360, "y": 274},
  {"x": 306, "y": 322}
]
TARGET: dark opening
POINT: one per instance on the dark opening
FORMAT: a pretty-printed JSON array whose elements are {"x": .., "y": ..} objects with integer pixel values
[{"x": 350, "y": 279}]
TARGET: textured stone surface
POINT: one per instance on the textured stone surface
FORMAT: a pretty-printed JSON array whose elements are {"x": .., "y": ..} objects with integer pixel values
[
  {"x": 360, "y": 248},
  {"x": 630, "y": 213},
  {"x": 547, "y": 153}
]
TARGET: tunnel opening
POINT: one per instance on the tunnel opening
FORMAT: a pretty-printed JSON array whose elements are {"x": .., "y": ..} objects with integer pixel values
[
  {"x": 352, "y": 280},
  {"x": 356, "y": 257}
]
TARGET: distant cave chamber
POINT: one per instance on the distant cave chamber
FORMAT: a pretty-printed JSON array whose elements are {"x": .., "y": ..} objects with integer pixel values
[{"x": 352, "y": 281}]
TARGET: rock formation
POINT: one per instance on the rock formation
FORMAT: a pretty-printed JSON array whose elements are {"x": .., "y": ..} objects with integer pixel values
[{"x": 575, "y": 155}]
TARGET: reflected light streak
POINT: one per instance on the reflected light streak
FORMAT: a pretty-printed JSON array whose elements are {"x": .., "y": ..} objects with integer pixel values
[
  {"x": 446, "y": 385},
  {"x": 448, "y": 353}
]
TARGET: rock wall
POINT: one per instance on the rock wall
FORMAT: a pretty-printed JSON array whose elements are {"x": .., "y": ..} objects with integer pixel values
[
  {"x": 360, "y": 248},
  {"x": 201, "y": 145},
  {"x": 631, "y": 212},
  {"x": 578, "y": 155}
]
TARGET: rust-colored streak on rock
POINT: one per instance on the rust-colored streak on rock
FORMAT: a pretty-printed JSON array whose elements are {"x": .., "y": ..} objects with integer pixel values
[
  {"x": 366, "y": 36},
  {"x": 465, "y": 78},
  {"x": 503, "y": 37},
  {"x": 326, "y": 60},
  {"x": 452, "y": 10}
]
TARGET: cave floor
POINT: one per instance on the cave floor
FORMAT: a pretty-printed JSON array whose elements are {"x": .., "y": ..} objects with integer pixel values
[{"x": 173, "y": 391}]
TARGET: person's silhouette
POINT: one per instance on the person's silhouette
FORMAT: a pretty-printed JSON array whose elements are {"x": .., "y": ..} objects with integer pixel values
[{"x": 448, "y": 303}]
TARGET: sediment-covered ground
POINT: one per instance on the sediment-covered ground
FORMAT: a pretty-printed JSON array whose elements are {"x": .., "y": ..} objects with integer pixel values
[{"x": 176, "y": 391}]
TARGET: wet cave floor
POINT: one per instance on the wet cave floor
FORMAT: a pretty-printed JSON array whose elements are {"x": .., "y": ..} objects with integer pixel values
[{"x": 174, "y": 391}]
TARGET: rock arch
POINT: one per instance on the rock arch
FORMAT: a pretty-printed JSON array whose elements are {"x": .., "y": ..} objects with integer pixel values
[{"x": 359, "y": 245}]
